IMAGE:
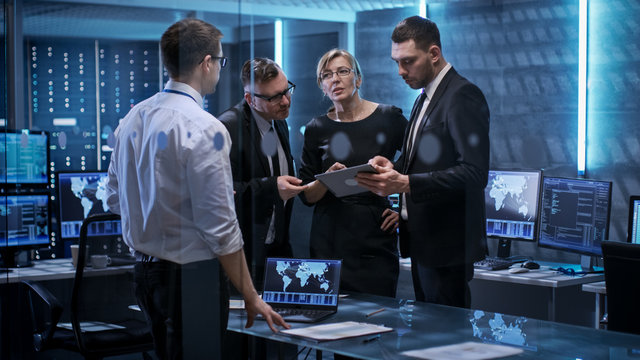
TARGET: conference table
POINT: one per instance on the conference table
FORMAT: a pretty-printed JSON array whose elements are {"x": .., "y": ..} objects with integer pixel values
[{"x": 419, "y": 325}]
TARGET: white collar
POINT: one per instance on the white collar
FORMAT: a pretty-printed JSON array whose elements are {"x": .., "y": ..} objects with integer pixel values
[{"x": 431, "y": 87}]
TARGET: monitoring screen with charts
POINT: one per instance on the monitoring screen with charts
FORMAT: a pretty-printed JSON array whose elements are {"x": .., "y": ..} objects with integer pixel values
[
  {"x": 575, "y": 214},
  {"x": 511, "y": 199},
  {"x": 24, "y": 220},
  {"x": 24, "y": 157},
  {"x": 82, "y": 194},
  {"x": 634, "y": 220}
]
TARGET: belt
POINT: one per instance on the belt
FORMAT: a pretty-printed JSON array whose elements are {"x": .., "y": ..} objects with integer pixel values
[{"x": 144, "y": 258}]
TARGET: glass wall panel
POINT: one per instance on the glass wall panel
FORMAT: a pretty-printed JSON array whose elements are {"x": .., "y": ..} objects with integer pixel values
[{"x": 80, "y": 66}]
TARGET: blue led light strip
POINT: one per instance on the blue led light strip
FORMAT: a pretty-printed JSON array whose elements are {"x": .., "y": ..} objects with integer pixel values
[{"x": 582, "y": 86}]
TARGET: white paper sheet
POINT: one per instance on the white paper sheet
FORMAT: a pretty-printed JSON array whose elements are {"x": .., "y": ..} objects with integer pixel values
[
  {"x": 464, "y": 351},
  {"x": 335, "y": 331}
]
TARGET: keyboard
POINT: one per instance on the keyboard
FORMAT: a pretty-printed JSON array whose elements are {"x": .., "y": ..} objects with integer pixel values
[
  {"x": 493, "y": 264},
  {"x": 303, "y": 315}
]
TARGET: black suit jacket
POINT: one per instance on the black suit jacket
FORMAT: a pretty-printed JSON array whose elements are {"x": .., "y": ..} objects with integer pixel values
[
  {"x": 256, "y": 190},
  {"x": 448, "y": 169}
]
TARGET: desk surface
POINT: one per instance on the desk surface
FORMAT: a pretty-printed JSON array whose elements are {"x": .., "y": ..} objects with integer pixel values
[
  {"x": 427, "y": 325},
  {"x": 599, "y": 287},
  {"x": 539, "y": 277},
  {"x": 54, "y": 269}
]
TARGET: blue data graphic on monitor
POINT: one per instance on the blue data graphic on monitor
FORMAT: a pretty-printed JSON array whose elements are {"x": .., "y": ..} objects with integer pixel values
[
  {"x": 24, "y": 220},
  {"x": 23, "y": 157},
  {"x": 83, "y": 194},
  {"x": 575, "y": 214},
  {"x": 512, "y": 203},
  {"x": 302, "y": 281},
  {"x": 634, "y": 220}
]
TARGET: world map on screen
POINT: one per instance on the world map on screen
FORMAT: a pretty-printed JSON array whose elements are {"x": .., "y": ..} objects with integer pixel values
[
  {"x": 91, "y": 191},
  {"x": 513, "y": 196},
  {"x": 310, "y": 277}
]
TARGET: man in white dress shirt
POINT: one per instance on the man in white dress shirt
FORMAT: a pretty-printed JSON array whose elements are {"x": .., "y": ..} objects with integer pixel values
[{"x": 170, "y": 180}]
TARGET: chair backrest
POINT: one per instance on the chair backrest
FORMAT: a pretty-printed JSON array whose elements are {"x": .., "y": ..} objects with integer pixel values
[
  {"x": 622, "y": 276},
  {"x": 45, "y": 310},
  {"x": 103, "y": 314}
]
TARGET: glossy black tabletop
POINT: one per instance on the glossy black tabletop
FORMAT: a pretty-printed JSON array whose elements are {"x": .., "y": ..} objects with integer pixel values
[{"x": 419, "y": 325}]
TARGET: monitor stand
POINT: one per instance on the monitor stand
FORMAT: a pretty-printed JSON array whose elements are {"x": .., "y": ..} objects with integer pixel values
[
  {"x": 504, "y": 248},
  {"x": 587, "y": 262}
]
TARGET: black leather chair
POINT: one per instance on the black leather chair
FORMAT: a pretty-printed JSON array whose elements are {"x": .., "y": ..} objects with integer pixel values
[
  {"x": 104, "y": 321},
  {"x": 622, "y": 276}
]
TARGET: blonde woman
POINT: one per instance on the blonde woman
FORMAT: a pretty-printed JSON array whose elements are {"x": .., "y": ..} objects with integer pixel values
[{"x": 361, "y": 228}]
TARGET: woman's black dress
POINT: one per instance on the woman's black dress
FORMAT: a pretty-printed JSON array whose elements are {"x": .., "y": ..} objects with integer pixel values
[{"x": 348, "y": 228}]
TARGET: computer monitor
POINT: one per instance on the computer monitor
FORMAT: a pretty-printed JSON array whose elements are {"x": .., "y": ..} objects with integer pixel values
[
  {"x": 24, "y": 158},
  {"x": 633, "y": 232},
  {"x": 574, "y": 216},
  {"x": 24, "y": 224},
  {"x": 80, "y": 194},
  {"x": 511, "y": 199}
]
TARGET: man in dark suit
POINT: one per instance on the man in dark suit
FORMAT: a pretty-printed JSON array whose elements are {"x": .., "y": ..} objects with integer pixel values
[
  {"x": 262, "y": 164},
  {"x": 443, "y": 169}
]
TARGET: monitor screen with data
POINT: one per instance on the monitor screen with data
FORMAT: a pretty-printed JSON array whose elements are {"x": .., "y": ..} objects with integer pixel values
[
  {"x": 633, "y": 233},
  {"x": 24, "y": 158},
  {"x": 575, "y": 214},
  {"x": 80, "y": 195},
  {"x": 511, "y": 199},
  {"x": 24, "y": 221}
]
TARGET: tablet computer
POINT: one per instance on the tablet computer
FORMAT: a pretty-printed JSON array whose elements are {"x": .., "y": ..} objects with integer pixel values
[{"x": 342, "y": 182}]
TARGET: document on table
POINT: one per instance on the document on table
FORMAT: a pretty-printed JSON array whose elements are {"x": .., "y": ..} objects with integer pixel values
[
  {"x": 235, "y": 304},
  {"x": 464, "y": 351},
  {"x": 335, "y": 331}
]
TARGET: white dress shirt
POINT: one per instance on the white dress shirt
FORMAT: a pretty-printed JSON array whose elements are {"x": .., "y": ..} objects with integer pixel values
[
  {"x": 429, "y": 91},
  {"x": 170, "y": 179},
  {"x": 263, "y": 126}
]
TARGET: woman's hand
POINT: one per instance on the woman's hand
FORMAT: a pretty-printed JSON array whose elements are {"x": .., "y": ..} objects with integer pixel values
[
  {"x": 336, "y": 166},
  {"x": 391, "y": 219}
]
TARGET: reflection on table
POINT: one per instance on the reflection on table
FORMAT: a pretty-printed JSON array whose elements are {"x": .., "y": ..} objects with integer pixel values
[{"x": 420, "y": 325}]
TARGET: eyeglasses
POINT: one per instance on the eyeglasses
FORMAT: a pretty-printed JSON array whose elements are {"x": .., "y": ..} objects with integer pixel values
[
  {"x": 278, "y": 97},
  {"x": 223, "y": 60},
  {"x": 342, "y": 72}
]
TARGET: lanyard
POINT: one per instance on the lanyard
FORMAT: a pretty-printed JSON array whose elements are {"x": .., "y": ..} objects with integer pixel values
[{"x": 179, "y": 93}]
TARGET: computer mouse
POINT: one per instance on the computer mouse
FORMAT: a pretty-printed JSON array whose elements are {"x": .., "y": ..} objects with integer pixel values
[
  {"x": 531, "y": 265},
  {"x": 517, "y": 270}
]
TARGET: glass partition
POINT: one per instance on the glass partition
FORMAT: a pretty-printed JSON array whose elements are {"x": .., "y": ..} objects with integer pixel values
[{"x": 73, "y": 69}]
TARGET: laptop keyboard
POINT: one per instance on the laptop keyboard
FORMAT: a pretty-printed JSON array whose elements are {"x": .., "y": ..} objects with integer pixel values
[
  {"x": 493, "y": 264},
  {"x": 310, "y": 313}
]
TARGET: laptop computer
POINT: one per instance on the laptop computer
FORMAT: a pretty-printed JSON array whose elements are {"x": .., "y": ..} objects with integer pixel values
[
  {"x": 633, "y": 231},
  {"x": 302, "y": 290}
]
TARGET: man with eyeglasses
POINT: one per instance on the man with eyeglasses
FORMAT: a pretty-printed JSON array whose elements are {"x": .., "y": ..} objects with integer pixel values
[
  {"x": 170, "y": 180},
  {"x": 263, "y": 172}
]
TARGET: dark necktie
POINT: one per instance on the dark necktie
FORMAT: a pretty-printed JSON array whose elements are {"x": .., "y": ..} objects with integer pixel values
[
  {"x": 279, "y": 204},
  {"x": 275, "y": 159},
  {"x": 415, "y": 119}
]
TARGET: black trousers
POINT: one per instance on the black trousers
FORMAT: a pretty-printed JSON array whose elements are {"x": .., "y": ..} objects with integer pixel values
[
  {"x": 186, "y": 307},
  {"x": 446, "y": 285}
]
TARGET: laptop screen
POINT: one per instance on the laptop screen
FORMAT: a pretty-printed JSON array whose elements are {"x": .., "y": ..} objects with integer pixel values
[{"x": 302, "y": 281}]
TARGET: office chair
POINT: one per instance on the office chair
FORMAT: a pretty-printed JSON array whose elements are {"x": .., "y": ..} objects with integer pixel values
[
  {"x": 105, "y": 303},
  {"x": 103, "y": 322},
  {"x": 46, "y": 311},
  {"x": 622, "y": 277}
]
